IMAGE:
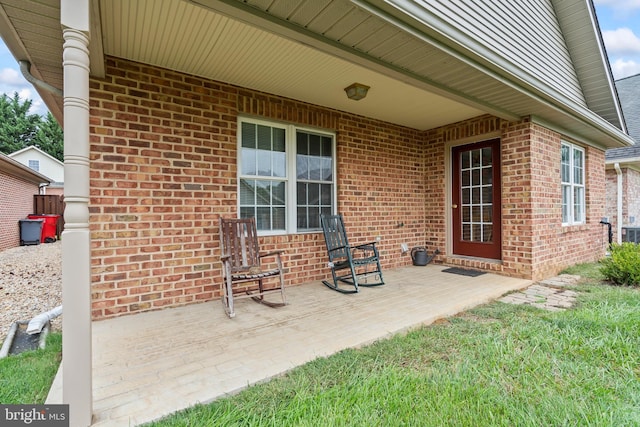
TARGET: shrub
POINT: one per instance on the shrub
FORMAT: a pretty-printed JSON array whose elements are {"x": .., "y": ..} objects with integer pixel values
[{"x": 623, "y": 266}]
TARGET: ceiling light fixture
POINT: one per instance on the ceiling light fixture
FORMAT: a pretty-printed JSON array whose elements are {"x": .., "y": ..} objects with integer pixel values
[{"x": 356, "y": 91}]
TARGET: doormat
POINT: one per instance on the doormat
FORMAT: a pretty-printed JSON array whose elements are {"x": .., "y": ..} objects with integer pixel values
[{"x": 463, "y": 272}]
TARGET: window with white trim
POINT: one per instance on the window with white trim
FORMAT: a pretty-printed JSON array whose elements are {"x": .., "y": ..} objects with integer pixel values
[
  {"x": 35, "y": 165},
  {"x": 573, "y": 190},
  {"x": 286, "y": 176}
]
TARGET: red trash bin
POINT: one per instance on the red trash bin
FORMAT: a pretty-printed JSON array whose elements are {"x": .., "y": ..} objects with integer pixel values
[{"x": 49, "y": 227}]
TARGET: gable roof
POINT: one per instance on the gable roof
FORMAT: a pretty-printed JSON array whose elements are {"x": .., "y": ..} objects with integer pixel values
[
  {"x": 629, "y": 94},
  {"x": 17, "y": 169},
  {"x": 427, "y": 65},
  {"x": 38, "y": 151}
]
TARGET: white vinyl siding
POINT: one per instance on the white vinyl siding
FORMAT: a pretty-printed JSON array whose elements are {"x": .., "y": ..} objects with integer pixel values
[
  {"x": 526, "y": 33},
  {"x": 572, "y": 171}
]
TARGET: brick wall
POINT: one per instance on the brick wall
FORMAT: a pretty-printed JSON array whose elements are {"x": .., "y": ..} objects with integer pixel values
[
  {"x": 163, "y": 170},
  {"x": 16, "y": 204},
  {"x": 630, "y": 199},
  {"x": 535, "y": 245}
]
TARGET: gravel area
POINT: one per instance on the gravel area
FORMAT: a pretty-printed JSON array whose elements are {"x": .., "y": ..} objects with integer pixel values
[{"x": 30, "y": 283}]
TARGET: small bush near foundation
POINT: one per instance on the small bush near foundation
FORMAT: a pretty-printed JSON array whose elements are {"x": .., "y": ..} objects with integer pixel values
[{"x": 623, "y": 266}]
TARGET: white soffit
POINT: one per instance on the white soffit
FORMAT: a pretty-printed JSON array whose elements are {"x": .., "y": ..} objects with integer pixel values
[{"x": 223, "y": 49}]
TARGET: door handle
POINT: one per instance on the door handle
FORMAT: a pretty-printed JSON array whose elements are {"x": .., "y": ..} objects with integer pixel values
[{"x": 454, "y": 206}]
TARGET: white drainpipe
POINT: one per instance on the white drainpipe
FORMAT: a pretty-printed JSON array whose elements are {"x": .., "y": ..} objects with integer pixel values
[{"x": 619, "y": 203}]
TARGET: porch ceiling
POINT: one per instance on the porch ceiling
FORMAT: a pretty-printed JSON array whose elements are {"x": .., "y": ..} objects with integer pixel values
[{"x": 308, "y": 50}]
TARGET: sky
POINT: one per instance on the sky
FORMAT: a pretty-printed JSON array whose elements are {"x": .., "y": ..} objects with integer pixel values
[{"x": 619, "y": 22}]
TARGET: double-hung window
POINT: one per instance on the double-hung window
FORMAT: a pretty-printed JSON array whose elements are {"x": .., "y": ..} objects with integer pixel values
[
  {"x": 573, "y": 190},
  {"x": 286, "y": 176}
]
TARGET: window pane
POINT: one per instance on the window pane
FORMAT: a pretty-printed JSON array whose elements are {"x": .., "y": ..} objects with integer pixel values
[
  {"x": 278, "y": 193},
  {"x": 487, "y": 213},
  {"x": 476, "y": 233},
  {"x": 279, "y": 164},
  {"x": 315, "y": 168},
  {"x": 466, "y": 232},
  {"x": 578, "y": 204},
  {"x": 302, "y": 145},
  {"x": 486, "y": 156},
  {"x": 263, "y": 218},
  {"x": 248, "y": 161},
  {"x": 466, "y": 178},
  {"x": 278, "y": 140},
  {"x": 314, "y": 219},
  {"x": 475, "y": 177},
  {"x": 465, "y": 160},
  {"x": 327, "y": 169},
  {"x": 475, "y": 195},
  {"x": 247, "y": 192},
  {"x": 326, "y": 194},
  {"x": 566, "y": 176},
  {"x": 314, "y": 194},
  {"x": 314, "y": 145},
  {"x": 302, "y": 221},
  {"x": 487, "y": 176},
  {"x": 279, "y": 219},
  {"x": 263, "y": 193},
  {"x": 566, "y": 197},
  {"x": 326, "y": 150},
  {"x": 466, "y": 196},
  {"x": 302, "y": 166},
  {"x": 487, "y": 233},
  {"x": 248, "y": 135},
  {"x": 301, "y": 193},
  {"x": 466, "y": 213},
  {"x": 264, "y": 138},
  {"x": 264, "y": 163},
  {"x": 475, "y": 158},
  {"x": 487, "y": 195},
  {"x": 247, "y": 212}
]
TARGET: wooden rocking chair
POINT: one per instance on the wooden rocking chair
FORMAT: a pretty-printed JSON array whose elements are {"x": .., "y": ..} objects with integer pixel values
[
  {"x": 241, "y": 263},
  {"x": 353, "y": 265}
]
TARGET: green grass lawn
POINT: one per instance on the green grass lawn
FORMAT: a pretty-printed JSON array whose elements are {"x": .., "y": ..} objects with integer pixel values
[
  {"x": 26, "y": 378},
  {"x": 496, "y": 365}
]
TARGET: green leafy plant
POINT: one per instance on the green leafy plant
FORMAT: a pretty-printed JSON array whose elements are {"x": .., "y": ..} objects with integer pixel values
[{"x": 623, "y": 266}]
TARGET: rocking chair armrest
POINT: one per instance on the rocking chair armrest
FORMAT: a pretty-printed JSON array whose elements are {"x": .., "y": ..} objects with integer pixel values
[
  {"x": 266, "y": 254},
  {"x": 369, "y": 245}
]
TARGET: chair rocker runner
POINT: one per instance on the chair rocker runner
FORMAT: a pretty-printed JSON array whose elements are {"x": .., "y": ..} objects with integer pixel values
[
  {"x": 241, "y": 263},
  {"x": 352, "y": 265}
]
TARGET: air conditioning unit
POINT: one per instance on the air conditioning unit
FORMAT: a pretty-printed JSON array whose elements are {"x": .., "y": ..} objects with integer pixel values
[{"x": 631, "y": 234}]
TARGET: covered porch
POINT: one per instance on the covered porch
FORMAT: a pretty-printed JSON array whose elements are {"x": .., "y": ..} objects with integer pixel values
[{"x": 155, "y": 363}]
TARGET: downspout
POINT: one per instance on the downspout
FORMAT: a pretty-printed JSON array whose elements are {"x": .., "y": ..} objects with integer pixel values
[
  {"x": 619, "y": 203},
  {"x": 25, "y": 68}
]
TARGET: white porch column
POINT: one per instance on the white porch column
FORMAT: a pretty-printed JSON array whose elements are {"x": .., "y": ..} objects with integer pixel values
[{"x": 76, "y": 242}]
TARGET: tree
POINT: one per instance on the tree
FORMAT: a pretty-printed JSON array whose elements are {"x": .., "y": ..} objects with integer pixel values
[
  {"x": 50, "y": 138},
  {"x": 19, "y": 129}
]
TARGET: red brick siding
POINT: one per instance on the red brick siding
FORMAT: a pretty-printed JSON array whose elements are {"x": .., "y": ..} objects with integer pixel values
[
  {"x": 630, "y": 198},
  {"x": 16, "y": 204},
  {"x": 163, "y": 170},
  {"x": 534, "y": 243}
]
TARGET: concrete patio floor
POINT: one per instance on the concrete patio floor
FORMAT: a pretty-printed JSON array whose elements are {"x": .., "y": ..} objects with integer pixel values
[{"x": 148, "y": 365}]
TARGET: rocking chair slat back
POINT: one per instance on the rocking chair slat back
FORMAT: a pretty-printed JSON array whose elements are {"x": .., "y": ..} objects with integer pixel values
[
  {"x": 240, "y": 243},
  {"x": 335, "y": 237}
]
